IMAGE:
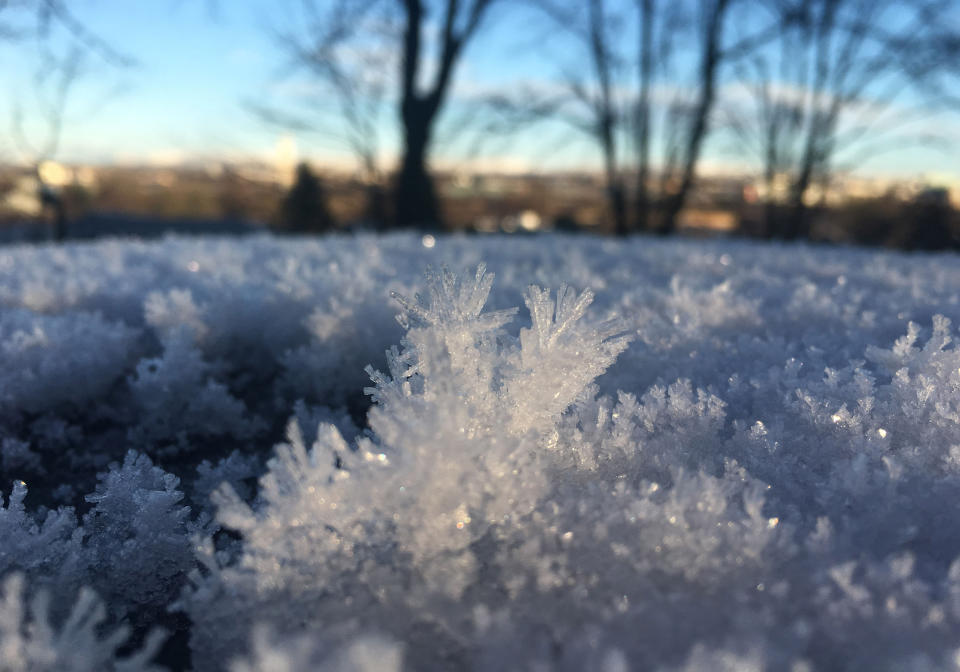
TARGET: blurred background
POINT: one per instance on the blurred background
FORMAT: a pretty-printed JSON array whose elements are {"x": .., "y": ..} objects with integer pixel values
[{"x": 828, "y": 120}]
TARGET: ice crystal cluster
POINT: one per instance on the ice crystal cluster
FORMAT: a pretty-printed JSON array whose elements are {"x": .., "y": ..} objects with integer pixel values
[{"x": 622, "y": 455}]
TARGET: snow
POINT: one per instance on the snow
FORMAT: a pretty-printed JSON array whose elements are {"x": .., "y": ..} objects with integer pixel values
[{"x": 486, "y": 453}]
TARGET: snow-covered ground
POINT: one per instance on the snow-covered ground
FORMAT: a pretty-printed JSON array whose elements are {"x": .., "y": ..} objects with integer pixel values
[{"x": 651, "y": 454}]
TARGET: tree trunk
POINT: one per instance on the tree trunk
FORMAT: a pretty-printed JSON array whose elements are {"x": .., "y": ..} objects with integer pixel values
[
  {"x": 771, "y": 219},
  {"x": 769, "y": 227},
  {"x": 616, "y": 200},
  {"x": 416, "y": 201},
  {"x": 618, "y": 206},
  {"x": 770, "y": 224},
  {"x": 59, "y": 222},
  {"x": 796, "y": 224},
  {"x": 793, "y": 225},
  {"x": 53, "y": 209},
  {"x": 375, "y": 209}
]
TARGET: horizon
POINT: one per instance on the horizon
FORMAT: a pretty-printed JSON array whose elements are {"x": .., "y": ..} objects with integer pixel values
[{"x": 347, "y": 167}]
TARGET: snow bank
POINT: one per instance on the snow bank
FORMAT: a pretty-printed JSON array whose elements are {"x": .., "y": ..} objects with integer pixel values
[{"x": 616, "y": 455}]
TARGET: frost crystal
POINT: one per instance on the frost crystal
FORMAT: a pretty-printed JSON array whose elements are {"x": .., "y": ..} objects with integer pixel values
[
  {"x": 559, "y": 357},
  {"x": 29, "y": 642},
  {"x": 364, "y": 654},
  {"x": 47, "y": 547},
  {"x": 762, "y": 478},
  {"x": 138, "y": 526},
  {"x": 440, "y": 471}
]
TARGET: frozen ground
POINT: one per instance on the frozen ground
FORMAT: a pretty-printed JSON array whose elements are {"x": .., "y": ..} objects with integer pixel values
[{"x": 735, "y": 457}]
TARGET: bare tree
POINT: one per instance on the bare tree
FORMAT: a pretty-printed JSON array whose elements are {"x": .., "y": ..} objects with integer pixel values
[
  {"x": 592, "y": 104},
  {"x": 664, "y": 104},
  {"x": 675, "y": 107},
  {"x": 416, "y": 202},
  {"x": 53, "y": 82},
  {"x": 56, "y": 13},
  {"x": 719, "y": 48},
  {"x": 771, "y": 130},
  {"x": 643, "y": 110},
  {"x": 356, "y": 49},
  {"x": 62, "y": 45},
  {"x": 830, "y": 94},
  {"x": 713, "y": 16},
  {"x": 605, "y": 109},
  {"x": 347, "y": 46}
]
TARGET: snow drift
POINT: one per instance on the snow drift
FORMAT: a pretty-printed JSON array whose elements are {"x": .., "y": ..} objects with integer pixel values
[{"x": 709, "y": 455}]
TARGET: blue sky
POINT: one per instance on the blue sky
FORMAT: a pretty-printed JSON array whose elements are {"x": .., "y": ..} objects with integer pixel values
[{"x": 199, "y": 61}]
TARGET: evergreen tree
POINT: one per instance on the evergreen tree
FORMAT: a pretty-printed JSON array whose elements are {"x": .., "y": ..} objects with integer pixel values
[{"x": 304, "y": 208}]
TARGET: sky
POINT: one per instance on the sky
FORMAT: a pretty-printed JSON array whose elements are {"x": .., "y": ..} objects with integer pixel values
[{"x": 200, "y": 63}]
